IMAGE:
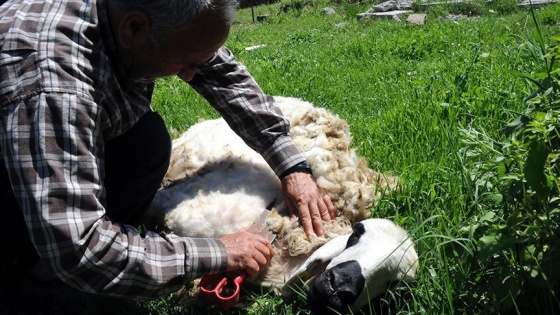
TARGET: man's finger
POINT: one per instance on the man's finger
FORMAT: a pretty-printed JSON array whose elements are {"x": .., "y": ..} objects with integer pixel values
[
  {"x": 306, "y": 221},
  {"x": 252, "y": 269},
  {"x": 260, "y": 259},
  {"x": 324, "y": 209},
  {"x": 328, "y": 202},
  {"x": 291, "y": 206},
  {"x": 316, "y": 219},
  {"x": 266, "y": 250}
]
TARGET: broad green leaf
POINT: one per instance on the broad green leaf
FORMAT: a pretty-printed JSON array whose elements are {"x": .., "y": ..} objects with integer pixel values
[{"x": 534, "y": 169}]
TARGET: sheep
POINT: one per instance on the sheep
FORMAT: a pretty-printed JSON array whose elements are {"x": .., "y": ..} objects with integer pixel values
[
  {"x": 351, "y": 278},
  {"x": 217, "y": 185}
]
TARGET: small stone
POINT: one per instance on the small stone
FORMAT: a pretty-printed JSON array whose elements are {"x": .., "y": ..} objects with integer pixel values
[
  {"x": 328, "y": 11},
  {"x": 417, "y": 18}
]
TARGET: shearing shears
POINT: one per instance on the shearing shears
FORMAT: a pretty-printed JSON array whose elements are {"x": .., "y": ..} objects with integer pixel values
[{"x": 224, "y": 288}]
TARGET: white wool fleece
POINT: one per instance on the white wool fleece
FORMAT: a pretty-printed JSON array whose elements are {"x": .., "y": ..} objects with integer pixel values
[{"x": 217, "y": 185}]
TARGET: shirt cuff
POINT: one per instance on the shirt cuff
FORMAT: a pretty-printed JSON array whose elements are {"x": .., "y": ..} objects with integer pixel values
[
  {"x": 283, "y": 155},
  {"x": 303, "y": 167},
  {"x": 204, "y": 256}
]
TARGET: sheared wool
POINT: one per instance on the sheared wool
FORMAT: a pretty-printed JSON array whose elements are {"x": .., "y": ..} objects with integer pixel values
[{"x": 217, "y": 185}]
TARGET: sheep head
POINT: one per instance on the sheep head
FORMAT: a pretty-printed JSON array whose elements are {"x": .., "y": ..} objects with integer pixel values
[{"x": 350, "y": 270}]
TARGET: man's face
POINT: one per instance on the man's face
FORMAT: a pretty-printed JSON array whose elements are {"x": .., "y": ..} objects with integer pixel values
[{"x": 180, "y": 55}]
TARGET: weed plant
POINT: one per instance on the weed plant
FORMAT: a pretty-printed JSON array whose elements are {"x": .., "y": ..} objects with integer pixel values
[{"x": 517, "y": 233}]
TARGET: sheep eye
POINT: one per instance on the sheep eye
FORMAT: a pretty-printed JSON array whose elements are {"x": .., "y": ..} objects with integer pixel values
[{"x": 359, "y": 230}]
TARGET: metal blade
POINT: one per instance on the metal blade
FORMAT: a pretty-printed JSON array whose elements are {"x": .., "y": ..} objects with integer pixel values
[
  {"x": 259, "y": 225},
  {"x": 271, "y": 237}
]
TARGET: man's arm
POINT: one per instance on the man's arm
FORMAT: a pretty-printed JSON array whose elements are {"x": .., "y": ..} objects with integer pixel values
[
  {"x": 232, "y": 91},
  {"x": 52, "y": 146}
]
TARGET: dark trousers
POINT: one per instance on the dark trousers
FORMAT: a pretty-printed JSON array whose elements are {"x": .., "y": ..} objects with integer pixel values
[{"x": 135, "y": 165}]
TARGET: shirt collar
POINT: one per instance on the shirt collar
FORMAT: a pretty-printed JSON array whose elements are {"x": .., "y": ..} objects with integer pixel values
[
  {"x": 113, "y": 52},
  {"x": 108, "y": 39}
]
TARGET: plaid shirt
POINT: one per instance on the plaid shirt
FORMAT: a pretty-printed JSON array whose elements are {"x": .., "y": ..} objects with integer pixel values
[{"x": 62, "y": 96}]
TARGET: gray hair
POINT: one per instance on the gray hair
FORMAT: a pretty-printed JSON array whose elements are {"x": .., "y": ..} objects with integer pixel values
[{"x": 170, "y": 15}]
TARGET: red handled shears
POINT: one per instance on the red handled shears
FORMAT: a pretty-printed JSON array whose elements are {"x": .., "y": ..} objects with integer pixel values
[{"x": 224, "y": 288}]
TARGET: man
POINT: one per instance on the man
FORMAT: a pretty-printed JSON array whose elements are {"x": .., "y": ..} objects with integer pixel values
[{"x": 82, "y": 154}]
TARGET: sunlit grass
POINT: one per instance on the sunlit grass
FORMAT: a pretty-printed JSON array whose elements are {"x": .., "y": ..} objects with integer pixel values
[{"x": 405, "y": 91}]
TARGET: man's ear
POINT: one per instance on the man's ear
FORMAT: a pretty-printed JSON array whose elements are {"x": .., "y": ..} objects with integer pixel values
[{"x": 133, "y": 26}]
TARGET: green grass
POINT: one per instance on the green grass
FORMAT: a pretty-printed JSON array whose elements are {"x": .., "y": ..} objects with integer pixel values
[{"x": 406, "y": 92}]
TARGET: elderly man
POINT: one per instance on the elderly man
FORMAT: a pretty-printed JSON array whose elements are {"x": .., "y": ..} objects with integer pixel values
[{"x": 82, "y": 153}]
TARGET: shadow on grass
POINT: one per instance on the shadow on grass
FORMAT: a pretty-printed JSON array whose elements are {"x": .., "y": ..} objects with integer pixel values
[{"x": 34, "y": 297}]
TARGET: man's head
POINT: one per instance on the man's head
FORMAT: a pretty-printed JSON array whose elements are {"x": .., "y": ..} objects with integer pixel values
[{"x": 158, "y": 38}]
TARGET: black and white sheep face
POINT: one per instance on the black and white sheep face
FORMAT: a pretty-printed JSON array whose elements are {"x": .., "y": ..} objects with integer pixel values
[{"x": 350, "y": 270}]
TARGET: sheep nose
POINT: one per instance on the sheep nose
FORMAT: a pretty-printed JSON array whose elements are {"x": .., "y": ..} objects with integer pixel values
[
  {"x": 336, "y": 289},
  {"x": 347, "y": 281}
]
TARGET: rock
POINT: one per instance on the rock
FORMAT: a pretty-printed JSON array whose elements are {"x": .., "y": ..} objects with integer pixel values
[
  {"x": 394, "y": 15},
  {"x": 384, "y": 7},
  {"x": 328, "y": 11},
  {"x": 535, "y": 3},
  {"x": 417, "y": 18}
]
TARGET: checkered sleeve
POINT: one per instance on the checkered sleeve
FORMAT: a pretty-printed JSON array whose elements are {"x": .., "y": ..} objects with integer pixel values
[
  {"x": 60, "y": 101},
  {"x": 232, "y": 91},
  {"x": 52, "y": 146}
]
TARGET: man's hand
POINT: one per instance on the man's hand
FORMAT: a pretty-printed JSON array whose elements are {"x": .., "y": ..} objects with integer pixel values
[
  {"x": 308, "y": 201},
  {"x": 247, "y": 251}
]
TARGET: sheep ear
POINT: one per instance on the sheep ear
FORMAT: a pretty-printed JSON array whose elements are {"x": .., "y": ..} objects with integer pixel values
[{"x": 314, "y": 265}]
